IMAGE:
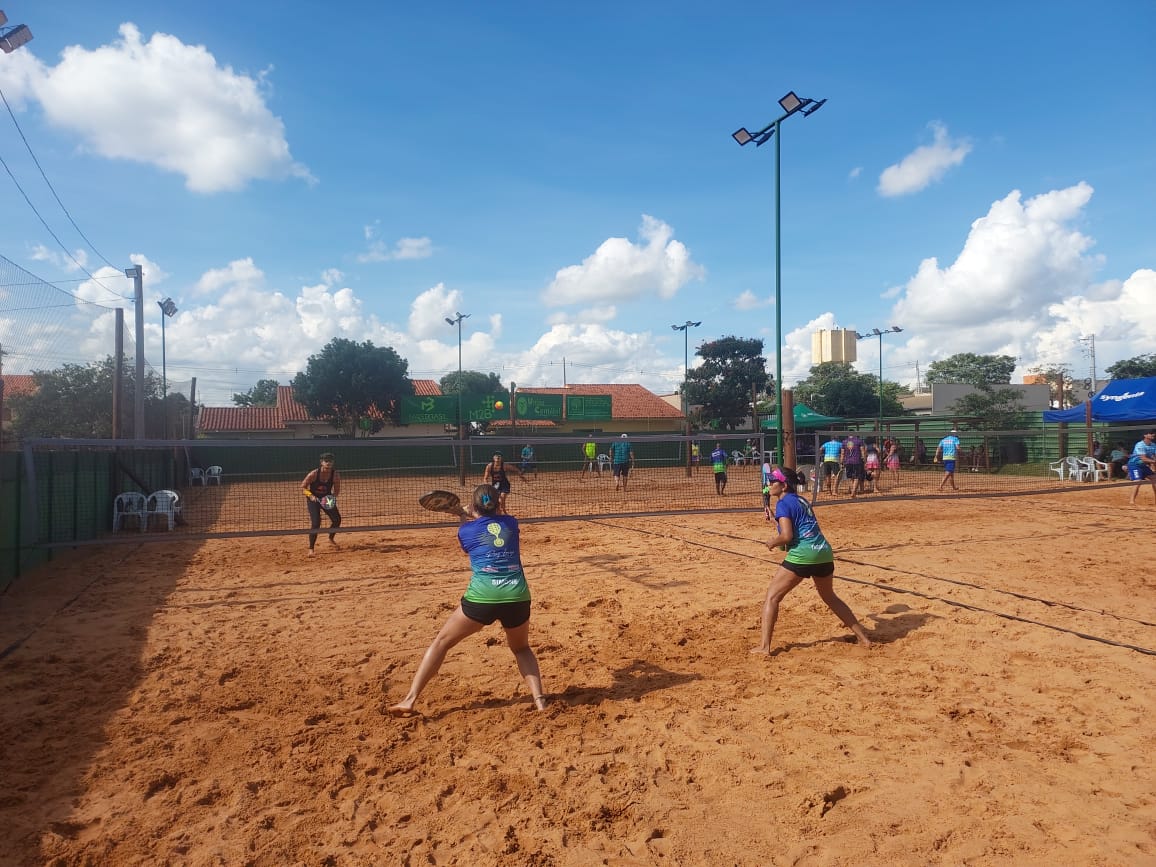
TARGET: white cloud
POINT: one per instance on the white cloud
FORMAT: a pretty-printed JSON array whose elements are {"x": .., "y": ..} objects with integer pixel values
[
  {"x": 855, "y": 172},
  {"x": 748, "y": 300},
  {"x": 167, "y": 104},
  {"x": 70, "y": 262},
  {"x": 924, "y": 165},
  {"x": 1022, "y": 286},
  {"x": 620, "y": 270},
  {"x": 404, "y": 248}
]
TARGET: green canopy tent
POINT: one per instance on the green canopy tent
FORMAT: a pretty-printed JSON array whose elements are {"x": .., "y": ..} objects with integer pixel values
[{"x": 805, "y": 417}]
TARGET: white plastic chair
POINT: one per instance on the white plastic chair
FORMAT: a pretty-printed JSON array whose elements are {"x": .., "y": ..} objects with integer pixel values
[
  {"x": 1096, "y": 470},
  {"x": 1058, "y": 467},
  {"x": 130, "y": 505},
  {"x": 213, "y": 475},
  {"x": 196, "y": 475},
  {"x": 738, "y": 458},
  {"x": 603, "y": 462},
  {"x": 166, "y": 503},
  {"x": 1076, "y": 469}
]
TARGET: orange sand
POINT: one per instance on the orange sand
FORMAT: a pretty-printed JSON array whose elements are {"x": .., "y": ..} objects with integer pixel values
[{"x": 221, "y": 703}]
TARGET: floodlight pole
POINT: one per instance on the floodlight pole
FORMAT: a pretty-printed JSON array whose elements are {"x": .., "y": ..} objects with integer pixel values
[
  {"x": 457, "y": 320},
  {"x": 168, "y": 308},
  {"x": 875, "y": 332},
  {"x": 137, "y": 276},
  {"x": 790, "y": 104},
  {"x": 685, "y": 329}
]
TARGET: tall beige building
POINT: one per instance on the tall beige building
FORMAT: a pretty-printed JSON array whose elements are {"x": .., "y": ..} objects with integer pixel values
[{"x": 840, "y": 345}]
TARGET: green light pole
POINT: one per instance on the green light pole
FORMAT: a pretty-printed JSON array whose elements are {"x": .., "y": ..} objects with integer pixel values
[
  {"x": 685, "y": 329},
  {"x": 790, "y": 105},
  {"x": 875, "y": 332},
  {"x": 457, "y": 320}
]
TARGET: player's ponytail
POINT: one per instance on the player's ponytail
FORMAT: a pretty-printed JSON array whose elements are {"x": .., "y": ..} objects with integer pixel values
[{"x": 485, "y": 499}]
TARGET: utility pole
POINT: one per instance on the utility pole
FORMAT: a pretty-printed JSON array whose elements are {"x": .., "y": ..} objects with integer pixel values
[{"x": 137, "y": 277}]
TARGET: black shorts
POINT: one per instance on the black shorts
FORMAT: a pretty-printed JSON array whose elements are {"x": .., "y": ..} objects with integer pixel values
[
  {"x": 622, "y": 470},
  {"x": 830, "y": 468},
  {"x": 512, "y": 614},
  {"x": 854, "y": 471},
  {"x": 502, "y": 487},
  {"x": 810, "y": 570}
]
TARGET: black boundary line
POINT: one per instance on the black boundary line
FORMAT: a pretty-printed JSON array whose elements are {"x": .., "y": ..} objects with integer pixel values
[{"x": 890, "y": 589}]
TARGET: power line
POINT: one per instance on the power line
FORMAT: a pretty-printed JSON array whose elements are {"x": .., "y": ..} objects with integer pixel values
[{"x": 24, "y": 139}]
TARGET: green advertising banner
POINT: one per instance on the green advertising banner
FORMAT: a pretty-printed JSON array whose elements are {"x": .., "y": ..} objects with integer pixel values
[
  {"x": 540, "y": 406},
  {"x": 429, "y": 410},
  {"x": 444, "y": 409},
  {"x": 588, "y": 407}
]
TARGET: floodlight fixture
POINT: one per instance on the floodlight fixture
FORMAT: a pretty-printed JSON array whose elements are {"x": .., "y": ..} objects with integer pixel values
[
  {"x": 685, "y": 329},
  {"x": 791, "y": 103},
  {"x": 12, "y": 38}
]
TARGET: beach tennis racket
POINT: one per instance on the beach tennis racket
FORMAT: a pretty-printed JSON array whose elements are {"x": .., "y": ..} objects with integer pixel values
[
  {"x": 440, "y": 501},
  {"x": 329, "y": 502}
]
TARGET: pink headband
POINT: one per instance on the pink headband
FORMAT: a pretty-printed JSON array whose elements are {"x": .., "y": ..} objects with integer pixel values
[{"x": 778, "y": 476}]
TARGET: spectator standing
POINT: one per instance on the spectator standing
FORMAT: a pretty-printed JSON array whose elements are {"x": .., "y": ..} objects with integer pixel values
[
  {"x": 832, "y": 453},
  {"x": 854, "y": 456}
]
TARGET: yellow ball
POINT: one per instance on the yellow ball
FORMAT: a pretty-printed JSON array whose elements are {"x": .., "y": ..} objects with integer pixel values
[{"x": 499, "y": 405}]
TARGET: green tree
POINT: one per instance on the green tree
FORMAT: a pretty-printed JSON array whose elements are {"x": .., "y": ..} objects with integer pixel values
[
  {"x": 347, "y": 382},
  {"x": 264, "y": 393},
  {"x": 1133, "y": 368},
  {"x": 971, "y": 369},
  {"x": 75, "y": 400},
  {"x": 473, "y": 383},
  {"x": 990, "y": 408},
  {"x": 733, "y": 371},
  {"x": 837, "y": 389},
  {"x": 1064, "y": 390}
]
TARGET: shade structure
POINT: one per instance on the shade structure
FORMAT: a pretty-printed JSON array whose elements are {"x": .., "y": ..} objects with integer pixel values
[
  {"x": 804, "y": 417},
  {"x": 1127, "y": 400}
]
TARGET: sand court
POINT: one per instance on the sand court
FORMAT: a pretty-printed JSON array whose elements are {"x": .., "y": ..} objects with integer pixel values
[{"x": 222, "y": 701}]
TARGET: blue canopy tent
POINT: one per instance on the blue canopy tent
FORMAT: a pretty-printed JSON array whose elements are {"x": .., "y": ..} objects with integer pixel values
[{"x": 1121, "y": 400}]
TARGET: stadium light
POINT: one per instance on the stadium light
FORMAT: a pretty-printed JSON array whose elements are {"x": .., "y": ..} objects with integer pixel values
[
  {"x": 168, "y": 310},
  {"x": 791, "y": 104},
  {"x": 12, "y": 38},
  {"x": 875, "y": 332},
  {"x": 685, "y": 329}
]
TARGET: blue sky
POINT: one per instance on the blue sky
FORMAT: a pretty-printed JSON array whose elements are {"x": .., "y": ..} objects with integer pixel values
[{"x": 982, "y": 175}]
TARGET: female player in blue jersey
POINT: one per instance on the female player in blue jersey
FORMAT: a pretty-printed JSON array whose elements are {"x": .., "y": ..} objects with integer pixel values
[
  {"x": 497, "y": 591},
  {"x": 809, "y": 555}
]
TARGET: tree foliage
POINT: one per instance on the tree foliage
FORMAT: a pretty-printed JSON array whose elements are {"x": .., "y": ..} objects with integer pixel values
[
  {"x": 1133, "y": 368},
  {"x": 472, "y": 382},
  {"x": 75, "y": 400},
  {"x": 1073, "y": 389},
  {"x": 991, "y": 409},
  {"x": 347, "y": 382},
  {"x": 970, "y": 369},
  {"x": 837, "y": 389},
  {"x": 733, "y": 371},
  {"x": 264, "y": 393}
]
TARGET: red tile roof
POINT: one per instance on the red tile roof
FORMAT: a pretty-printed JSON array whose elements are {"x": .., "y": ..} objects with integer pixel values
[
  {"x": 426, "y": 388},
  {"x": 18, "y": 383}
]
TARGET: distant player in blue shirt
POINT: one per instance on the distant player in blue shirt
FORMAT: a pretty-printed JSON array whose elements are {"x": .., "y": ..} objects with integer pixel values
[
  {"x": 497, "y": 591},
  {"x": 832, "y": 452},
  {"x": 621, "y": 461},
  {"x": 948, "y": 450},
  {"x": 1142, "y": 464}
]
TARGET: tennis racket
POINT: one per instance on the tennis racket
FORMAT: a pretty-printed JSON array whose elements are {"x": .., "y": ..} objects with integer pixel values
[{"x": 440, "y": 501}]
